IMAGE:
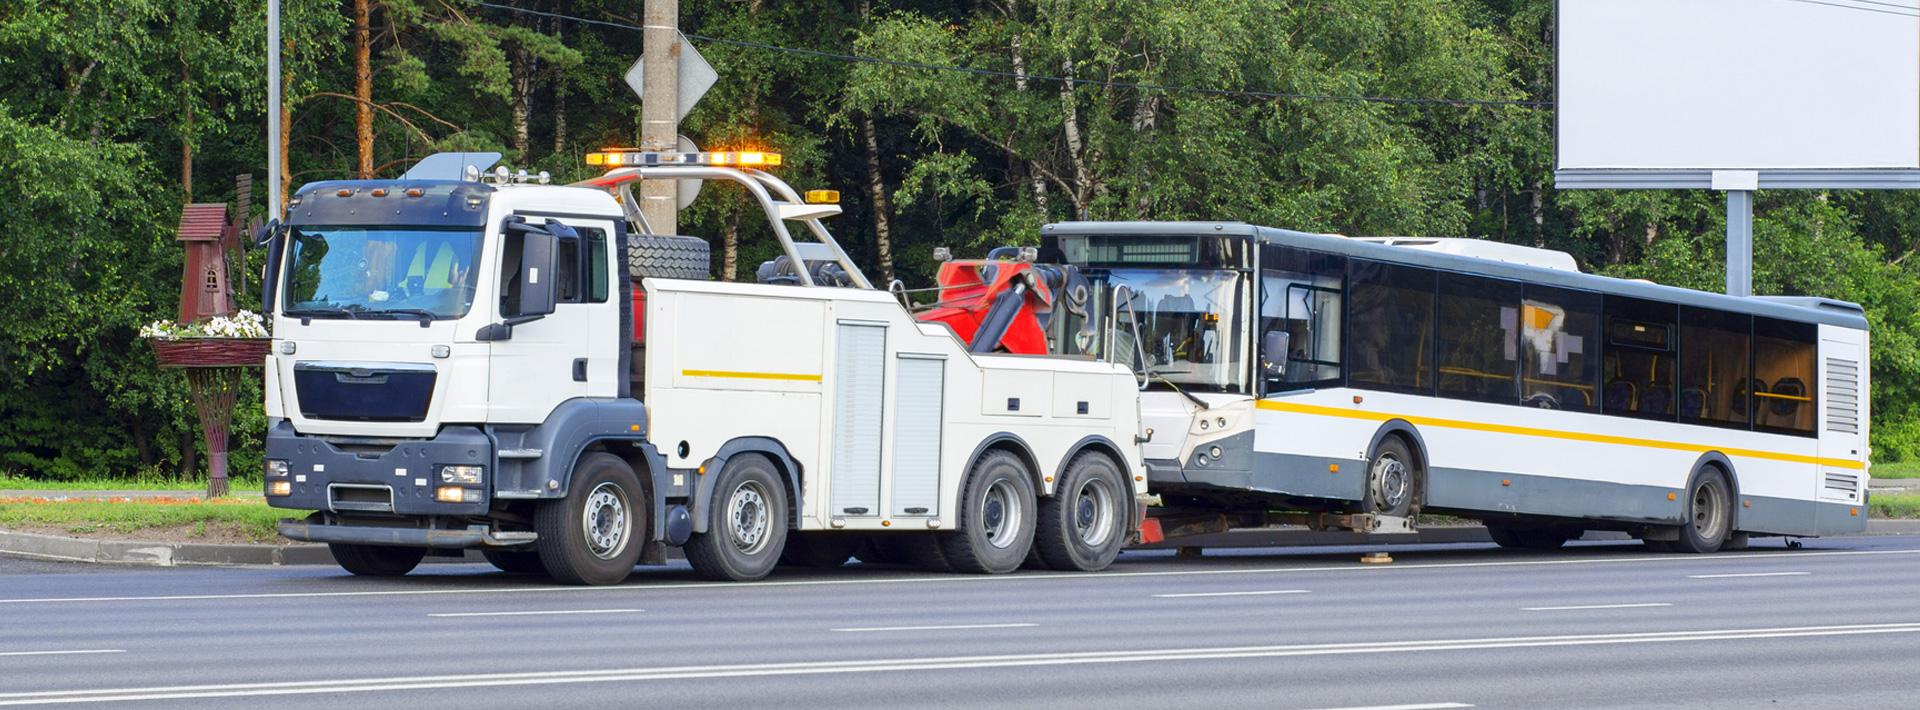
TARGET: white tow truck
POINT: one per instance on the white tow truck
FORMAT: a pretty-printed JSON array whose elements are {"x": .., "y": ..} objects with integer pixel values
[{"x": 468, "y": 359}]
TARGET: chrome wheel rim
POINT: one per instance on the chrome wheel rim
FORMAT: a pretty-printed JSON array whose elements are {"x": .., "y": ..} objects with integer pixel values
[
  {"x": 1391, "y": 481},
  {"x": 1093, "y": 512},
  {"x": 604, "y": 521},
  {"x": 1709, "y": 509},
  {"x": 1000, "y": 514},
  {"x": 748, "y": 517}
]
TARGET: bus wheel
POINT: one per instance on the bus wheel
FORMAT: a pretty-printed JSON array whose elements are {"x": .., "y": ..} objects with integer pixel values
[
  {"x": 515, "y": 561},
  {"x": 1393, "y": 480},
  {"x": 1082, "y": 527},
  {"x": 996, "y": 517},
  {"x": 588, "y": 536},
  {"x": 376, "y": 560},
  {"x": 823, "y": 550},
  {"x": 746, "y": 523},
  {"x": 1709, "y": 514}
]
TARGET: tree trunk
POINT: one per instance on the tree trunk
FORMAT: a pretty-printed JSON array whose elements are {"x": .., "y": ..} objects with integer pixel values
[
  {"x": 559, "y": 100},
  {"x": 877, "y": 192},
  {"x": 730, "y": 248},
  {"x": 363, "y": 87},
  {"x": 1070, "y": 120},
  {"x": 518, "y": 63},
  {"x": 189, "y": 454},
  {"x": 1034, "y": 178},
  {"x": 186, "y": 129},
  {"x": 1539, "y": 215}
]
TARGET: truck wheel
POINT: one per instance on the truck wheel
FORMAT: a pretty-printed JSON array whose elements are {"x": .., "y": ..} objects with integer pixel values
[
  {"x": 515, "y": 561},
  {"x": 376, "y": 560},
  {"x": 1709, "y": 514},
  {"x": 1082, "y": 527},
  {"x": 746, "y": 523},
  {"x": 589, "y": 536},
  {"x": 1393, "y": 480},
  {"x": 996, "y": 517},
  {"x": 667, "y": 257},
  {"x": 821, "y": 550}
]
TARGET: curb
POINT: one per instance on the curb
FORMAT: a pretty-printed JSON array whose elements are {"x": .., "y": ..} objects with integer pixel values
[{"x": 173, "y": 554}]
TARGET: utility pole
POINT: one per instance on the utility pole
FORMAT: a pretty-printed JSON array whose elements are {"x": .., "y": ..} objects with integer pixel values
[
  {"x": 273, "y": 110},
  {"x": 659, "y": 108}
]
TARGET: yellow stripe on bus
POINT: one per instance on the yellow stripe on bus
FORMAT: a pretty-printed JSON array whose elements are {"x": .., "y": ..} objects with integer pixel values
[
  {"x": 1549, "y": 433},
  {"x": 788, "y": 376}
]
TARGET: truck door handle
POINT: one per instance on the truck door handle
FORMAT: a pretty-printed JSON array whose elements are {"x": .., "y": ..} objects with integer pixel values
[{"x": 580, "y": 369}]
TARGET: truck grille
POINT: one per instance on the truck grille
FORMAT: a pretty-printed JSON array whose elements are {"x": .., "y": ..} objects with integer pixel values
[{"x": 364, "y": 392}]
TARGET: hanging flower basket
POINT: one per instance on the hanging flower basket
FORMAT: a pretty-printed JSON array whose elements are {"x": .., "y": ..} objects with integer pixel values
[
  {"x": 211, "y": 352},
  {"x": 220, "y": 341}
]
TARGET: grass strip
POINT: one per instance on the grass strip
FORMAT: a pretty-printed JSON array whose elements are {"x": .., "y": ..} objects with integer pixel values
[
  {"x": 249, "y": 519},
  {"x": 1897, "y": 469},
  {"x": 1896, "y": 505},
  {"x": 9, "y": 481}
]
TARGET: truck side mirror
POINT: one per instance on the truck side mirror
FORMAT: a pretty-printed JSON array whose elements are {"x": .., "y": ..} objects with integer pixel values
[
  {"x": 270, "y": 271},
  {"x": 539, "y": 257},
  {"x": 1274, "y": 348}
]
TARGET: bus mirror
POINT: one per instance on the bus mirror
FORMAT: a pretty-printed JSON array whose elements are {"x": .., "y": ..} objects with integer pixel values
[
  {"x": 1274, "y": 348},
  {"x": 1136, "y": 350}
]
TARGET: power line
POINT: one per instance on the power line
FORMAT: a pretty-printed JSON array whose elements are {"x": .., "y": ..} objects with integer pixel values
[
  {"x": 1166, "y": 88},
  {"x": 1843, "y": 6}
]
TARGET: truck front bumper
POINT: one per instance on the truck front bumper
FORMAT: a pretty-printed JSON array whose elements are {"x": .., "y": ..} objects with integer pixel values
[
  {"x": 343, "y": 475},
  {"x": 471, "y": 537}
]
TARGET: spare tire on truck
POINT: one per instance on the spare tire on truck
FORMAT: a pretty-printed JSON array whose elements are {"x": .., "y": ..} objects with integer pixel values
[{"x": 663, "y": 256}]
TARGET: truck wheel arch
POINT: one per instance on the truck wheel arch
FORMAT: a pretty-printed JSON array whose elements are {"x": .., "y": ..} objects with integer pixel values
[
  {"x": 1012, "y": 443},
  {"x": 772, "y": 449},
  {"x": 1093, "y": 443}
]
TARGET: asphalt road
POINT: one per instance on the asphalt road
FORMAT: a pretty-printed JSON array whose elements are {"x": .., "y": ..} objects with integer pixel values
[{"x": 1601, "y": 625}]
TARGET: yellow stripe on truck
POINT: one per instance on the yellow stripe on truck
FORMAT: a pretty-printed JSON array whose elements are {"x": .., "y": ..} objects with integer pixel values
[
  {"x": 729, "y": 374},
  {"x": 1319, "y": 410}
]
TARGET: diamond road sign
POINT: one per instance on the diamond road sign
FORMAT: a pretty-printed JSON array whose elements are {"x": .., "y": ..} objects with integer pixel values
[{"x": 696, "y": 77}]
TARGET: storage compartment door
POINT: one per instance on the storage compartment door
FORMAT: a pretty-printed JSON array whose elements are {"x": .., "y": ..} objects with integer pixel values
[
  {"x": 859, "y": 374},
  {"x": 919, "y": 387}
]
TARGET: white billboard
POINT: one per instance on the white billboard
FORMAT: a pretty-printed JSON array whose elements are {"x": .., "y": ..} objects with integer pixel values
[{"x": 1738, "y": 84}]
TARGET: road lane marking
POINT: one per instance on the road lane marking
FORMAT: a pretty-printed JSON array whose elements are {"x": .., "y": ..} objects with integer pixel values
[
  {"x": 1415, "y": 706},
  {"x": 949, "y": 627},
  {"x": 63, "y": 653},
  {"x": 1647, "y": 605},
  {"x": 456, "y": 614},
  {"x": 1748, "y": 574},
  {"x": 956, "y": 579},
  {"x": 892, "y": 665},
  {"x": 1191, "y": 595}
]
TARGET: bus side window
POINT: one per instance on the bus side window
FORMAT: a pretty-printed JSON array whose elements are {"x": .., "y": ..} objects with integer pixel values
[
  {"x": 1300, "y": 311},
  {"x": 1783, "y": 357},
  {"x": 1560, "y": 349},
  {"x": 1478, "y": 347},
  {"x": 1638, "y": 359},
  {"x": 1390, "y": 312},
  {"x": 1715, "y": 386}
]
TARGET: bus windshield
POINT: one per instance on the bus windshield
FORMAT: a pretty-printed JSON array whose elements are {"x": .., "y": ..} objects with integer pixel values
[
  {"x": 1189, "y": 323},
  {"x": 354, "y": 272}
]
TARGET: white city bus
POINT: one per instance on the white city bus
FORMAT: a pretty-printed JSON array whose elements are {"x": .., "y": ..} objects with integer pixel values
[{"x": 1392, "y": 377}]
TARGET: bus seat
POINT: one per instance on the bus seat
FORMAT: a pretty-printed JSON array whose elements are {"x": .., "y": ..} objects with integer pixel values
[
  {"x": 1787, "y": 387},
  {"x": 1740, "y": 393},
  {"x": 1693, "y": 403},
  {"x": 1658, "y": 399},
  {"x": 1619, "y": 395}
]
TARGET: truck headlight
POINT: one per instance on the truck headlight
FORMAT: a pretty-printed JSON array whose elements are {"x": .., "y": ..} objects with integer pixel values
[
  {"x": 280, "y": 488},
  {"x": 276, "y": 468},
  {"x": 465, "y": 475}
]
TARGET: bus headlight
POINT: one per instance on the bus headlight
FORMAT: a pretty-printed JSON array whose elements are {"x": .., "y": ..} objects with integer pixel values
[{"x": 464, "y": 475}]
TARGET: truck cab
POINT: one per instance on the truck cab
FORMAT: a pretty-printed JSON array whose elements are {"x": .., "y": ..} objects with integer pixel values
[{"x": 456, "y": 365}]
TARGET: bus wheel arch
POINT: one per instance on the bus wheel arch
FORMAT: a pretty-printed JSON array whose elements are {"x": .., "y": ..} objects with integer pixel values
[
  {"x": 1717, "y": 460},
  {"x": 1393, "y": 436},
  {"x": 1708, "y": 501}
]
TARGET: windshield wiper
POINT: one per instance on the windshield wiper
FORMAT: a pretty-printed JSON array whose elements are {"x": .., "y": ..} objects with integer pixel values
[
  {"x": 426, "y": 317},
  {"x": 1152, "y": 372},
  {"x": 323, "y": 312}
]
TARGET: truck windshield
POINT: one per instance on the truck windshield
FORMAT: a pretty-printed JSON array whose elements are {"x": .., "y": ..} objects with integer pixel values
[
  {"x": 1190, "y": 321},
  {"x": 355, "y": 272}
]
